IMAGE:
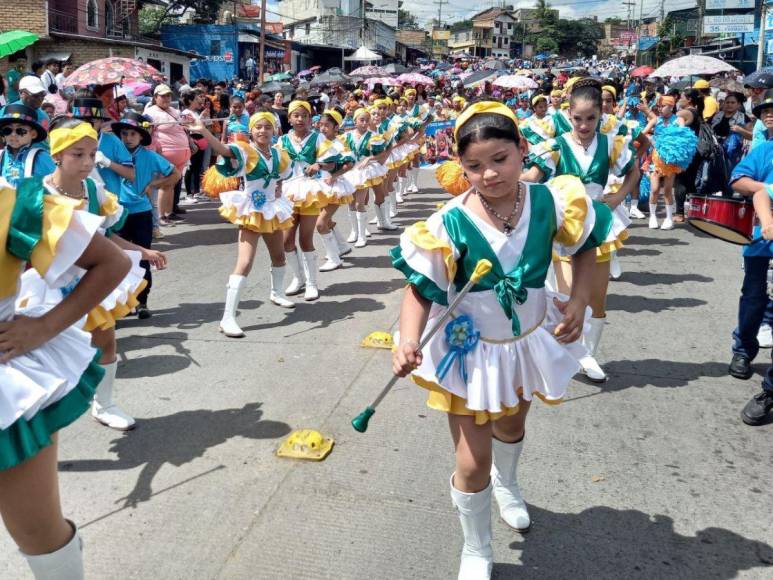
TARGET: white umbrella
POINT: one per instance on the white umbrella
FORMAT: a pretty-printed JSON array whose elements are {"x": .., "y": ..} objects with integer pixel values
[
  {"x": 693, "y": 64},
  {"x": 364, "y": 54},
  {"x": 515, "y": 82}
]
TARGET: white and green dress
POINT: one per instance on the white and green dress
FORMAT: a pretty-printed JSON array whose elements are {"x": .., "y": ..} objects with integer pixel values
[
  {"x": 500, "y": 343},
  {"x": 607, "y": 157},
  {"x": 306, "y": 192},
  {"x": 49, "y": 387},
  {"x": 364, "y": 146}
]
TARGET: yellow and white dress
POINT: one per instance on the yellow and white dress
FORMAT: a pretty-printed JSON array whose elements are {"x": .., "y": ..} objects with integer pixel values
[
  {"x": 341, "y": 191},
  {"x": 308, "y": 194},
  {"x": 500, "y": 343},
  {"x": 368, "y": 172},
  {"x": 50, "y": 386},
  {"x": 123, "y": 298},
  {"x": 261, "y": 206}
]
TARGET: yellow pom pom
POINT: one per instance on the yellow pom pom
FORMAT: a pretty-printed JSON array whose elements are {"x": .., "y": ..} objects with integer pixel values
[
  {"x": 215, "y": 184},
  {"x": 451, "y": 177}
]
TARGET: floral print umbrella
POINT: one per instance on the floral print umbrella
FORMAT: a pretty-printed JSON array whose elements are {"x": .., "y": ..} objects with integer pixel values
[{"x": 111, "y": 71}]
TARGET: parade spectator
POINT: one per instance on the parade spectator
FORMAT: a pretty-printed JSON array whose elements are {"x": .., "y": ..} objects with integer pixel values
[
  {"x": 48, "y": 78},
  {"x": 194, "y": 107},
  {"x": 31, "y": 93},
  {"x": 710, "y": 104},
  {"x": 731, "y": 126},
  {"x": 67, "y": 69},
  {"x": 250, "y": 68},
  {"x": 280, "y": 111},
  {"x": 172, "y": 142},
  {"x": 13, "y": 76},
  {"x": 3, "y": 101}
]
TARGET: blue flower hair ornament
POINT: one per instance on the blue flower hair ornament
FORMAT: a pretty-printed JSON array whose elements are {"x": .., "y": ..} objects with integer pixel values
[{"x": 461, "y": 338}]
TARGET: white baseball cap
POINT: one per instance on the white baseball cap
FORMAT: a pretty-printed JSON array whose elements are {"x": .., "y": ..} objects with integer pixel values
[{"x": 32, "y": 85}]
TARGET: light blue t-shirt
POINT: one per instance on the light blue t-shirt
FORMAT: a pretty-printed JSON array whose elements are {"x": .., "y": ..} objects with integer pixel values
[
  {"x": 147, "y": 166},
  {"x": 757, "y": 165},
  {"x": 12, "y": 166},
  {"x": 114, "y": 149}
]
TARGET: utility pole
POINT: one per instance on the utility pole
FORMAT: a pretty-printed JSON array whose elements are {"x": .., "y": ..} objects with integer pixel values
[
  {"x": 262, "y": 40},
  {"x": 362, "y": 22},
  {"x": 638, "y": 35},
  {"x": 631, "y": 6},
  {"x": 761, "y": 45},
  {"x": 440, "y": 10},
  {"x": 701, "y": 13}
]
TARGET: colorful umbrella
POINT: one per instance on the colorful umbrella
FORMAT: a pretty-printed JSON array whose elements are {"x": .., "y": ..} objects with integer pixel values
[
  {"x": 110, "y": 71},
  {"x": 370, "y": 70},
  {"x": 415, "y": 79},
  {"x": 15, "y": 40},
  {"x": 136, "y": 88},
  {"x": 692, "y": 64},
  {"x": 515, "y": 82},
  {"x": 384, "y": 81},
  {"x": 761, "y": 79},
  {"x": 642, "y": 71}
]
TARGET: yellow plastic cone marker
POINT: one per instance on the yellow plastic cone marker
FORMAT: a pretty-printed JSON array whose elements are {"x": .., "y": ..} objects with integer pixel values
[
  {"x": 306, "y": 444},
  {"x": 378, "y": 340}
]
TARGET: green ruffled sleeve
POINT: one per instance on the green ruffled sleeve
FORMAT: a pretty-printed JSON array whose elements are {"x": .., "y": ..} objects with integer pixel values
[
  {"x": 424, "y": 286},
  {"x": 601, "y": 227},
  {"x": 230, "y": 167}
]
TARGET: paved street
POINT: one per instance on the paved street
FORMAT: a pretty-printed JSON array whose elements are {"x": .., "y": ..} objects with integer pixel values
[{"x": 651, "y": 475}]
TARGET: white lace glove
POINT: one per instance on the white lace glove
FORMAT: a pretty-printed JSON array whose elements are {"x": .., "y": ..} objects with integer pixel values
[{"x": 102, "y": 160}]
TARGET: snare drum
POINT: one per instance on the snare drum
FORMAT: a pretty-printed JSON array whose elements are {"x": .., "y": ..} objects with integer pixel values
[{"x": 729, "y": 219}]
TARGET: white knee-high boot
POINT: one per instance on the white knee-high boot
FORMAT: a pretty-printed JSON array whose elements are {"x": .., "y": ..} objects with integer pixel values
[
  {"x": 504, "y": 479},
  {"x": 392, "y": 203},
  {"x": 296, "y": 284},
  {"x": 615, "y": 269},
  {"x": 343, "y": 247},
  {"x": 591, "y": 341},
  {"x": 382, "y": 215},
  {"x": 653, "y": 225},
  {"x": 475, "y": 516},
  {"x": 310, "y": 272},
  {"x": 228, "y": 325},
  {"x": 103, "y": 409},
  {"x": 400, "y": 189},
  {"x": 353, "y": 221},
  {"x": 277, "y": 283},
  {"x": 333, "y": 261},
  {"x": 64, "y": 564},
  {"x": 362, "y": 230}
]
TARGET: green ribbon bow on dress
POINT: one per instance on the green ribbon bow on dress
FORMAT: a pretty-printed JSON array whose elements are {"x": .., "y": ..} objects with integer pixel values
[{"x": 510, "y": 292}]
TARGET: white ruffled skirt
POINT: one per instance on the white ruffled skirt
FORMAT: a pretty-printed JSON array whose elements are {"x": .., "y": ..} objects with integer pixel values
[
  {"x": 341, "y": 191},
  {"x": 305, "y": 192},
  {"x": 372, "y": 173},
  {"x": 35, "y": 380},
  {"x": 239, "y": 209},
  {"x": 501, "y": 366}
]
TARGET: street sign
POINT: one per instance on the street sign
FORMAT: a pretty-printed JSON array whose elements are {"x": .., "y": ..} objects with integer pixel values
[
  {"x": 728, "y": 23},
  {"x": 729, "y": 4}
]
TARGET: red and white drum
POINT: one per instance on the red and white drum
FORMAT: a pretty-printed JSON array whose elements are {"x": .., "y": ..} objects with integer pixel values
[{"x": 729, "y": 219}]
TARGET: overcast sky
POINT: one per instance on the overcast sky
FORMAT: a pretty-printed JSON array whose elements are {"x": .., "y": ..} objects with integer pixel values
[{"x": 456, "y": 10}]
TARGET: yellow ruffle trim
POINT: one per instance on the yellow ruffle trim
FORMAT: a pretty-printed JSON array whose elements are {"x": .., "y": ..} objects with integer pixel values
[
  {"x": 575, "y": 204},
  {"x": 603, "y": 252},
  {"x": 316, "y": 200},
  {"x": 441, "y": 400},
  {"x": 346, "y": 200},
  {"x": 103, "y": 319},
  {"x": 110, "y": 207},
  {"x": 255, "y": 222},
  {"x": 665, "y": 169},
  {"x": 617, "y": 148},
  {"x": 420, "y": 236},
  {"x": 214, "y": 183},
  {"x": 450, "y": 176},
  {"x": 372, "y": 183}
]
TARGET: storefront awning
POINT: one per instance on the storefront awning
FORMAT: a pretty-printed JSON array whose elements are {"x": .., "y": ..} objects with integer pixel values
[
  {"x": 60, "y": 56},
  {"x": 248, "y": 38}
]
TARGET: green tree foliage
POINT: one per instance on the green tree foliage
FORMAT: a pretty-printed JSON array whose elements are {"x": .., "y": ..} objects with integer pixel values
[
  {"x": 152, "y": 17},
  {"x": 406, "y": 20},
  {"x": 461, "y": 25},
  {"x": 566, "y": 37}
]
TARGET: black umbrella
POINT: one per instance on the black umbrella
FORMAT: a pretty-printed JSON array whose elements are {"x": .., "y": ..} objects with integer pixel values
[
  {"x": 276, "y": 87},
  {"x": 761, "y": 79},
  {"x": 480, "y": 76},
  {"x": 494, "y": 65},
  {"x": 329, "y": 77}
]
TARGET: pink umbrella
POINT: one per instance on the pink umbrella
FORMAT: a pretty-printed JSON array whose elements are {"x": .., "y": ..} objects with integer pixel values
[
  {"x": 111, "y": 71},
  {"x": 370, "y": 70},
  {"x": 515, "y": 82},
  {"x": 415, "y": 79},
  {"x": 137, "y": 88},
  {"x": 384, "y": 81}
]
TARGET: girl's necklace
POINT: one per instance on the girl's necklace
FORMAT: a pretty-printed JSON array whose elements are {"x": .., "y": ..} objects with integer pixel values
[
  {"x": 66, "y": 193},
  {"x": 506, "y": 221},
  {"x": 585, "y": 147}
]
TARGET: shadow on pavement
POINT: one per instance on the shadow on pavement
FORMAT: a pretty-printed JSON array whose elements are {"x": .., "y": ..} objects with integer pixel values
[
  {"x": 636, "y": 304},
  {"x": 653, "y": 278},
  {"x": 655, "y": 241},
  {"x": 197, "y": 237},
  {"x": 606, "y": 543},
  {"x": 380, "y": 261},
  {"x": 628, "y": 251},
  {"x": 188, "y": 315},
  {"x": 367, "y": 288},
  {"x": 176, "y": 440},
  {"x": 325, "y": 313},
  {"x": 626, "y": 374}
]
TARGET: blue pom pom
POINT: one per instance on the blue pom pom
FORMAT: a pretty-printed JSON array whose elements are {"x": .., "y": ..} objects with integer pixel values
[
  {"x": 645, "y": 187},
  {"x": 675, "y": 144}
]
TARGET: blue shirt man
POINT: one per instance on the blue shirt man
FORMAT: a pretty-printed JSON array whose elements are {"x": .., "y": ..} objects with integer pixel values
[{"x": 114, "y": 149}]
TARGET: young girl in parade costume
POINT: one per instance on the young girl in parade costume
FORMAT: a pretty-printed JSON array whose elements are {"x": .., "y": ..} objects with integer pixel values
[
  {"x": 381, "y": 191},
  {"x": 73, "y": 147},
  {"x": 310, "y": 153},
  {"x": 483, "y": 370},
  {"x": 413, "y": 109},
  {"x": 673, "y": 152},
  {"x": 340, "y": 190},
  {"x": 593, "y": 156},
  {"x": 260, "y": 209},
  {"x": 539, "y": 127},
  {"x": 22, "y": 156},
  {"x": 365, "y": 146},
  {"x": 48, "y": 369}
]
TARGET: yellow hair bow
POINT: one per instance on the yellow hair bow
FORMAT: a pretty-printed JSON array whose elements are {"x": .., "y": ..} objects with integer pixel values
[
  {"x": 489, "y": 107},
  {"x": 335, "y": 115},
  {"x": 295, "y": 105},
  {"x": 610, "y": 89},
  {"x": 262, "y": 116},
  {"x": 61, "y": 139},
  {"x": 359, "y": 112}
]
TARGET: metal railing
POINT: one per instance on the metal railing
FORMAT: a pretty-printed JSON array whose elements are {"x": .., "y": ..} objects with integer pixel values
[{"x": 59, "y": 21}]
